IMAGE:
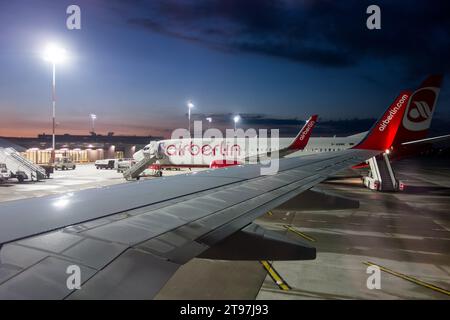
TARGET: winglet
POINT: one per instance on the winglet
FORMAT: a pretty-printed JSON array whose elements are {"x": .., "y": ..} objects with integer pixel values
[
  {"x": 302, "y": 138},
  {"x": 382, "y": 135}
]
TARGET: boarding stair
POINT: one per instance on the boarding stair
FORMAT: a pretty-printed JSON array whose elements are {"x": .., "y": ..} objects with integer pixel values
[
  {"x": 21, "y": 167},
  {"x": 150, "y": 156},
  {"x": 382, "y": 171}
]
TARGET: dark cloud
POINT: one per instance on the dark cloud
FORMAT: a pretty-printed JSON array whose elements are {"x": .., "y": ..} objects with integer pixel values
[
  {"x": 288, "y": 126},
  {"x": 415, "y": 34},
  {"x": 250, "y": 119}
]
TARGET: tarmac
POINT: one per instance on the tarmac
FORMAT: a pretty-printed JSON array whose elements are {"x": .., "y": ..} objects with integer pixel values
[{"x": 405, "y": 234}]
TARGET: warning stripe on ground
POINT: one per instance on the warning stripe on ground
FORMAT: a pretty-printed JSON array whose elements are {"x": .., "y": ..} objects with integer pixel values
[
  {"x": 275, "y": 276},
  {"x": 299, "y": 233},
  {"x": 409, "y": 278}
]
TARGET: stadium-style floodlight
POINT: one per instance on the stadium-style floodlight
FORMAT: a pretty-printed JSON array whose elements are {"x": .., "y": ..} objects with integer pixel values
[
  {"x": 55, "y": 55},
  {"x": 236, "y": 120},
  {"x": 190, "y": 105}
]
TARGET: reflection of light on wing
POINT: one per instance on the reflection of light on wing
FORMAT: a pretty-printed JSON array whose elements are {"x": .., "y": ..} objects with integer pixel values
[{"x": 63, "y": 201}]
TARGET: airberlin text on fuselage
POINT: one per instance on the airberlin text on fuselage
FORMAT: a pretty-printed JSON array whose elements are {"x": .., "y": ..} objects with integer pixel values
[
  {"x": 392, "y": 112},
  {"x": 223, "y": 149}
]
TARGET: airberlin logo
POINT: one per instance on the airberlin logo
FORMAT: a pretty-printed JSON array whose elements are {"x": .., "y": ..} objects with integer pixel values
[
  {"x": 419, "y": 112},
  {"x": 307, "y": 129},
  {"x": 251, "y": 146},
  {"x": 193, "y": 149},
  {"x": 422, "y": 110},
  {"x": 393, "y": 112}
]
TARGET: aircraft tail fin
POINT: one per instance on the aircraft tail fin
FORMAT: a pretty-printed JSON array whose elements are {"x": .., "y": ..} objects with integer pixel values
[{"x": 302, "y": 138}]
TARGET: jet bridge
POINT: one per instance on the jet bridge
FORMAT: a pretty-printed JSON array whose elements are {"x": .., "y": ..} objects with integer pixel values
[
  {"x": 151, "y": 154},
  {"x": 381, "y": 175},
  {"x": 20, "y": 167}
]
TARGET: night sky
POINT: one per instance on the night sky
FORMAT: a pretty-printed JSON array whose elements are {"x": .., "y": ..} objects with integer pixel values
[{"x": 136, "y": 63}]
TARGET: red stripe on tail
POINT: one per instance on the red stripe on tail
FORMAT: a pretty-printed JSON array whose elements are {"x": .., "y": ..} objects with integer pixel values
[{"x": 383, "y": 133}]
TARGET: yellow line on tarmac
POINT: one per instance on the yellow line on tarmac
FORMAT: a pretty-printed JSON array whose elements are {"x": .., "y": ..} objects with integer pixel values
[
  {"x": 275, "y": 276},
  {"x": 409, "y": 278},
  {"x": 301, "y": 234}
]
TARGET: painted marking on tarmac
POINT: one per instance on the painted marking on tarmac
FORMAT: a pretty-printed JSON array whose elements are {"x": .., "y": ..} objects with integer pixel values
[
  {"x": 409, "y": 278},
  {"x": 299, "y": 233},
  {"x": 275, "y": 276}
]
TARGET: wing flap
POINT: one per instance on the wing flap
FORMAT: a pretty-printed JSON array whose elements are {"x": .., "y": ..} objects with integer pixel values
[
  {"x": 256, "y": 243},
  {"x": 133, "y": 275},
  {"x": 44, "y": 280}
]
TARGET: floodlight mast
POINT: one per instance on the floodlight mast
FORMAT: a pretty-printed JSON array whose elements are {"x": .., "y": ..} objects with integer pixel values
[{"x": 54, "y": 54}]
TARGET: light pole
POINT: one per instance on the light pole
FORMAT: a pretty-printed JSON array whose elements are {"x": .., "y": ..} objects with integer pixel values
[
  {"x": 93, "y": 117},
  {"x": 236, "y": 120},
  {"x": 54, "y": 55},
  {"x": 190, "y": 106}
]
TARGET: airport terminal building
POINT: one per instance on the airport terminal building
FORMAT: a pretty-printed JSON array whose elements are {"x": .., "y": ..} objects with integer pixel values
[{"x": 79, "y": 148}]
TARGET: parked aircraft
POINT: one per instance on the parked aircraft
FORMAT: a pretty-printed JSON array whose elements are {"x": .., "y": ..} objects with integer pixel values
[
  {"x": 222, "y": 152},
  {"x": 217, "y": 152}
]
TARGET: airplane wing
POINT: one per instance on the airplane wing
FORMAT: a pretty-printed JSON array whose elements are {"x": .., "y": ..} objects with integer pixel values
[{"x": 127, "y": 240}]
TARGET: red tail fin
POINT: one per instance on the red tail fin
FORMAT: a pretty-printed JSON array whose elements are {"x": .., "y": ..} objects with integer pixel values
[
  {"x": 302, "y": 138},
  {"x": 382, "y": 135},
  {"x": 419, "y": 112}
]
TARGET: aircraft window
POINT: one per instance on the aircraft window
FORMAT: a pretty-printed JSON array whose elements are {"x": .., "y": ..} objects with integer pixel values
[{"x": 351, "y": 144}]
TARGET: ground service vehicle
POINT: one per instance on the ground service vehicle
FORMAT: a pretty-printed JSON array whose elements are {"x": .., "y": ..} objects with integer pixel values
[
  {"x": 106, "y": 164},
  {"x": 4, "y": 173},
  {"x": 64, "y": 164}
]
